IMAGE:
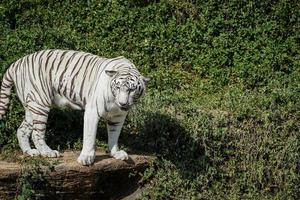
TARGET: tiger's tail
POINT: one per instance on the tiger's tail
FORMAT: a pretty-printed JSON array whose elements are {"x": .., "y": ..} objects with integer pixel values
[{"x": 5, "y": 92}]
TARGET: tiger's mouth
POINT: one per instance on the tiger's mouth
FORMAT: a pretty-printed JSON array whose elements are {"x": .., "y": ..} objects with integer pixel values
[{"x": 124, "y": 107}]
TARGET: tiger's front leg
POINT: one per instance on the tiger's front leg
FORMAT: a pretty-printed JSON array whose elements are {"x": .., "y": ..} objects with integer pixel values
[
  {"x": 114, "y": 127},
  {"x": 87, "y": 155}
]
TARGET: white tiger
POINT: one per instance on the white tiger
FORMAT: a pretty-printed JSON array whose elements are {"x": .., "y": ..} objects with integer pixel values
[{"x": 102, "y": 87}]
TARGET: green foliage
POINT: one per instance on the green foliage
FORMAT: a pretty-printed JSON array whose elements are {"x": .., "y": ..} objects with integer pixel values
[
  {"x": 222, "y": 109},
  {"x": 32, "y": 183}
]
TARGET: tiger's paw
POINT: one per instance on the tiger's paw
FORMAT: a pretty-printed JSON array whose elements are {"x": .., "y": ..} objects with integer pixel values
[
  {"x": 33, "y": 152},
  {"x": 50, "y": 154},
  {"x": 86, "y": 159},
  {"x": 120, "y": 155}
]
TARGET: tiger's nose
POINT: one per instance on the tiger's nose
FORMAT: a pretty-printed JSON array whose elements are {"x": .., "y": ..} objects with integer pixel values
[{"x": 123, "y": 104}]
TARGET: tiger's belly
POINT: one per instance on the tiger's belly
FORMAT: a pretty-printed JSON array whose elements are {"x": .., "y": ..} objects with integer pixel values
[{"x": 62, "y": 101}]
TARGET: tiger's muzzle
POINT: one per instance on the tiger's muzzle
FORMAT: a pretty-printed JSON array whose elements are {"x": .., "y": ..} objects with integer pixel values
[{"x": 123, "y": 100}]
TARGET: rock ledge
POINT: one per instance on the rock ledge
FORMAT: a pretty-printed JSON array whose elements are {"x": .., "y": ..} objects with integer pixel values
[{"x": 108, "y": 178}]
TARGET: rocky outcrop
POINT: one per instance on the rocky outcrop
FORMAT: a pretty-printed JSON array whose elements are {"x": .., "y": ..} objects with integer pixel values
[{"x": 108, "y": 178}]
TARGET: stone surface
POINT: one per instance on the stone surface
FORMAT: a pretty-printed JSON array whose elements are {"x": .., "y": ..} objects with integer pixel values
[{"x": 108, "y": 178}]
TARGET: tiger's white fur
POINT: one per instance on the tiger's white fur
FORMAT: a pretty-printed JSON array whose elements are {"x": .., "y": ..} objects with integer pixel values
[{"x": 102, "y": 87}]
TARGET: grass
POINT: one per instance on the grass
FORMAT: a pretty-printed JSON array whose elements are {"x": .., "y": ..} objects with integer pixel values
[{"x": 222, "y": 109}]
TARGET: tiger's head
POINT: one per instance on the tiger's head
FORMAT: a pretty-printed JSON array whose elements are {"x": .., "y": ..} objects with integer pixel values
[{"x": 126, "y": 88}]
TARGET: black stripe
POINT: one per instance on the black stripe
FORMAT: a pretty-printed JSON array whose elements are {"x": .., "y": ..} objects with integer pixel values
[
  {"x": 120, "y": 65},
  {"x": 32, "y": 63},
  {"x": 3, "y": 95},
  {"x": 41, "y": 57},
  {"x": 110, "y": 123},
  {"x": 23, "y": 81},
  {"x": 61, "y": 59},
  {"x": 52, "y": 65},
  {"x": 112, "y": 60},
  {"x": 84, "y": 102},
  {"x": 44, "y": 101},
  {"x": 105, "y": 106},
  {"x": 4, "y": 85},
  {"x": 9, "y": 75},
  {"x": 17, "y": 66},
  {"x": 42, "y": 81},
  {"x": 18, "y": 62},
  {"x": 93, "y": 68},
  {"x": 37, "y": 112},
  {"x": 47, "y": 84},
  {"x": 72, "y": 57},
  {"x": 50, "y": 53},
  {"x": 63, "y": 73},
  {"x": 39, "y": 129},
  {"x": 36, "y": 53},
  {"x": 48, "y": 58},
  {"x": 84, "y": 80},
  {"x": 37, "y": 91},
  {"x": 50, "y": 70},
  {"x": 39, "y": 122},
  {"x": 29, "y": 99},
  {"x": 66, "y": 66},
  {"x": 7, "y": 78},
  {"x": 75, "y": 66},
  {"x": 34, "y": 59},
  {"x": 97, "y": 109},
  {"x": 2, "y": 107},
  {"x": 73, "y": 77}
]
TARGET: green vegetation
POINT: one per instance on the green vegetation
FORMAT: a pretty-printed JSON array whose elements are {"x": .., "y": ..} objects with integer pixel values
[
  {"x": 222, "y": 109},
  {"x": 32, "y": 183}
]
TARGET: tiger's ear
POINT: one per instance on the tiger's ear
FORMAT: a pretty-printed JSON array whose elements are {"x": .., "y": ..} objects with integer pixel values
[
  {"x": 110, "y": 73},
  {"x": 146, "y": 79}
]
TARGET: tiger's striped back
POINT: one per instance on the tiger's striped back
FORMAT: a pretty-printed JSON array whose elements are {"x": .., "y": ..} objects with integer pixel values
[{"x": 41, "y": 76}]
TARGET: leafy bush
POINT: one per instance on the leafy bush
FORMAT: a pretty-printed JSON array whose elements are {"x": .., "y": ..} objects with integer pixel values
[
  {"x": 222, "y": 109},
  {"x": 32, "y": 183}
]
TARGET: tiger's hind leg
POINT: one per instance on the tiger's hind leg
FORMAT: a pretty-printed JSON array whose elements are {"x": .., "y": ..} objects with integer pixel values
[
  {"x": 23, "y": 135},
  {"x": 39, "y": 115}
]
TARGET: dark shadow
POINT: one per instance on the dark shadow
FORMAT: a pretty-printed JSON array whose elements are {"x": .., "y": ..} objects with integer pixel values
[
  {"x": 129, "y": 161},
  {"x": 159, "y": 135},
  {"x": 65, "y": 129},
  {"x": 163, "y": 136},
  {"x": 99, "y": 158}
]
